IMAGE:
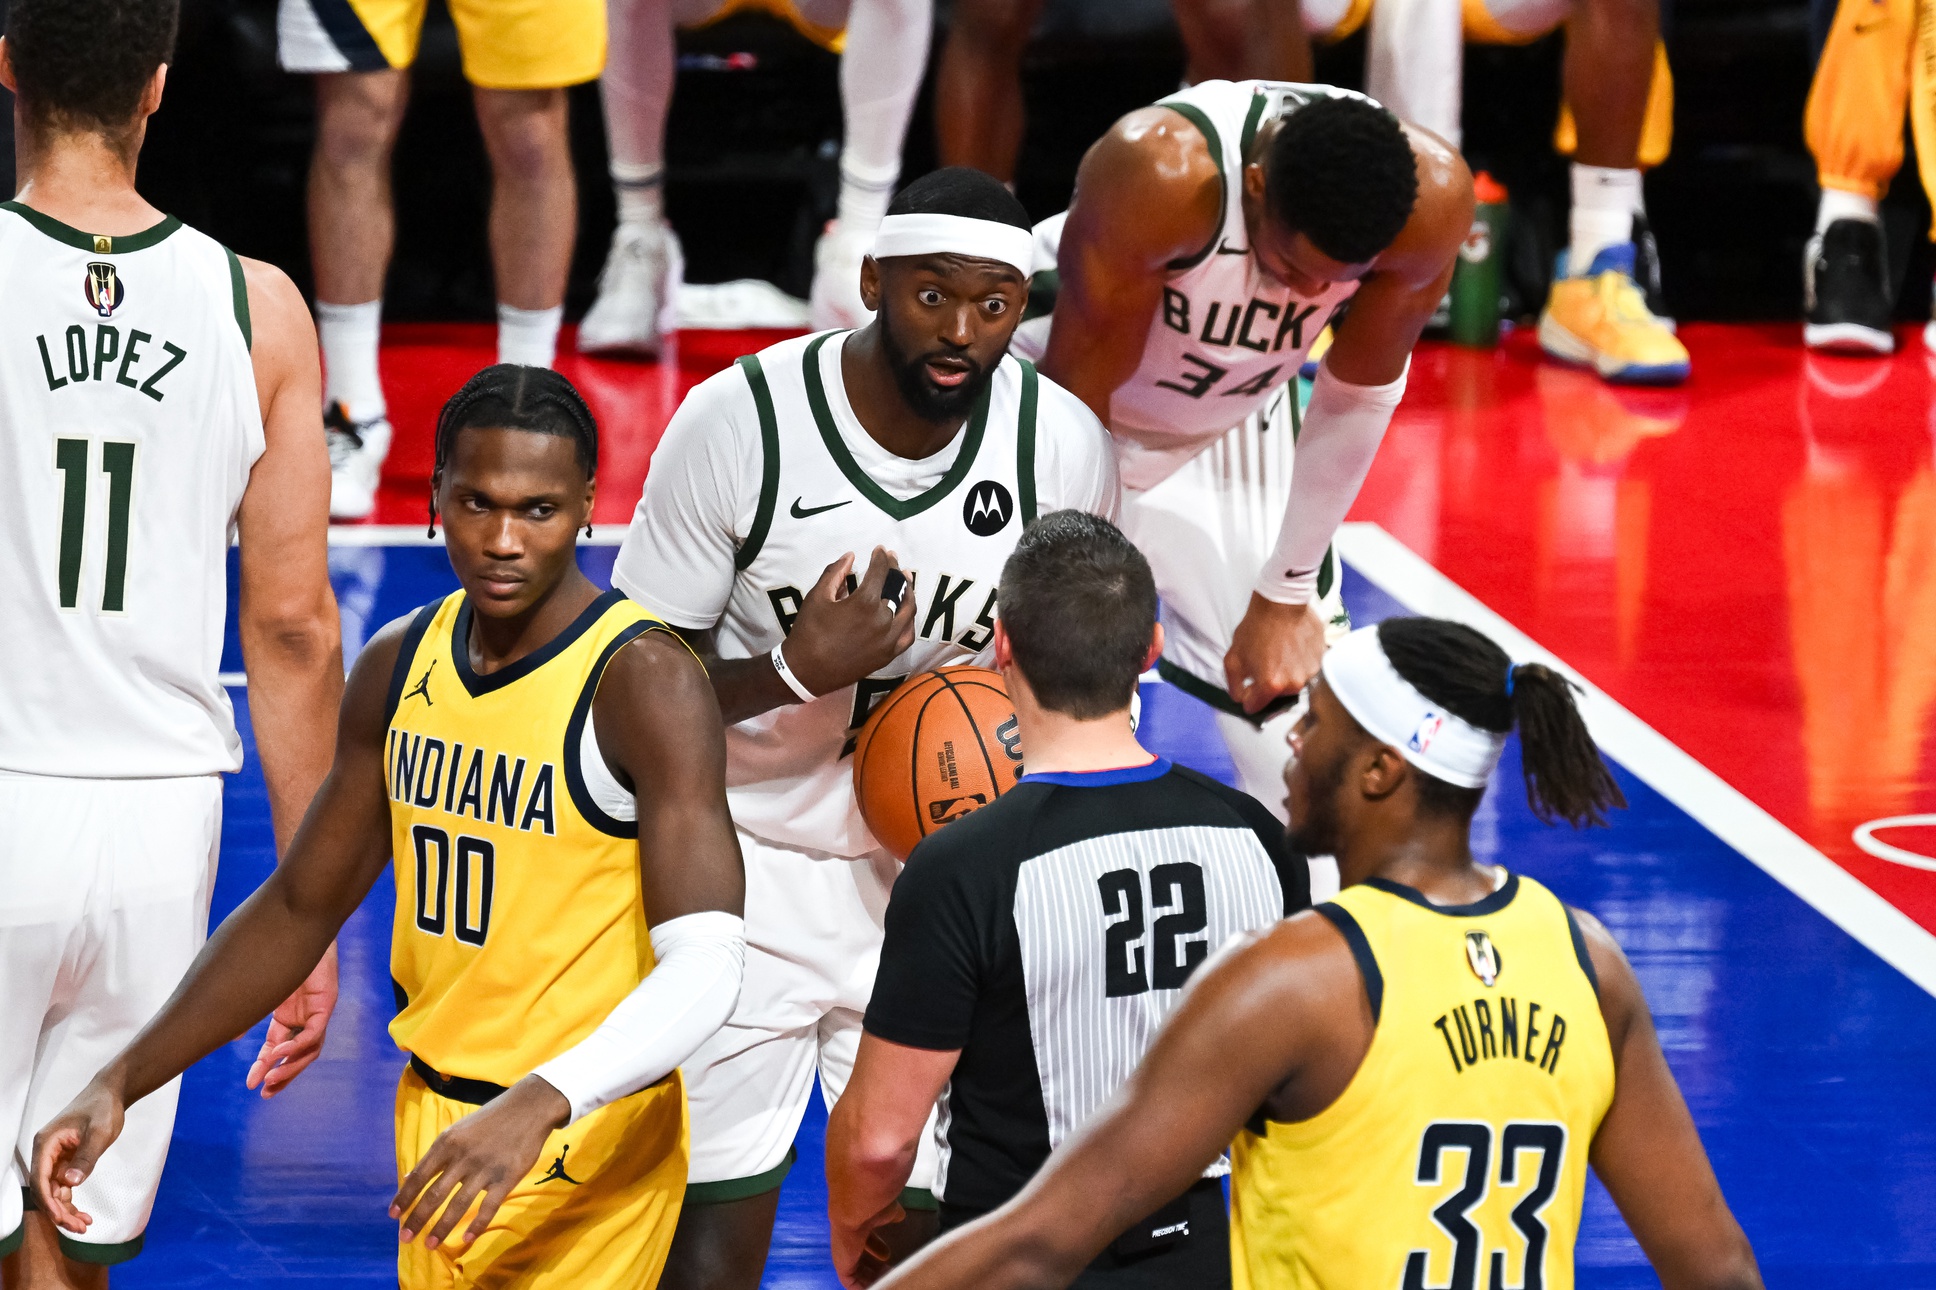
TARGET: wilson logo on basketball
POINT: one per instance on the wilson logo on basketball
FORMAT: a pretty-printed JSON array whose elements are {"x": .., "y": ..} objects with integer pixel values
[
  {"x": 103, "y": 288},
  {"x": 987, "y": 509}
]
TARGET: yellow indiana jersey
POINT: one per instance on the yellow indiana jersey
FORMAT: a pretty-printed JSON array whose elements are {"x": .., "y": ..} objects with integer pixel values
[
  {"x": 1456, "y": 1157},
  {"x": 520, "y": 923}
]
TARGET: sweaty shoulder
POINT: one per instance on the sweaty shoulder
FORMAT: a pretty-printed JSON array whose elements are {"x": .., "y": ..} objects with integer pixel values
[
  {"x": 1150, "y": 187},
  {"x": 1612, "y": 976},
  {"x": 1441, "y": 218}
]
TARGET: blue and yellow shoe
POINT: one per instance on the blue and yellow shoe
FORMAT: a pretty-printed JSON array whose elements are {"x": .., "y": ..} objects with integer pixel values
[{"x": 1599, "y": 319}]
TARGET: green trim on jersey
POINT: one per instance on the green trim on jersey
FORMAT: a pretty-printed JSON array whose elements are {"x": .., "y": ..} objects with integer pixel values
[
  {"x": 1251, "y": 121},
  {"x": 837, "y": 447},
  {"x": 1025, "y": 443},
  {"x": 732, "y": 1189},
  {"x": 770, "y": 462},
  {"x": 1195, "y": 116},
  {"x": 94, "y": 243},
  {"x": 240, "y": 287}
]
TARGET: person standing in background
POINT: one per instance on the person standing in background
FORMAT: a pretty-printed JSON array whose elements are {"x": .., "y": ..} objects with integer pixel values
[
  {"x": 1874, "y": 67},
  {"x": 519, "y": 56},
  {"x": 884, "y": 52},
  {"x": 978, "y": 85}
]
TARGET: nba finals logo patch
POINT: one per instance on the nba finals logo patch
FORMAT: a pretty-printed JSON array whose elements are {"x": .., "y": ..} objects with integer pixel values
[
  {"x": 103, "y": 288},
  {"x": 1428, "y": 730},
  {"x": 1482, "y": 956}
]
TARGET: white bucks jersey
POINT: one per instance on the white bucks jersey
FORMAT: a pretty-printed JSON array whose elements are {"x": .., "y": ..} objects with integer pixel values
[
  {"x": 1227, "y": 335},
  {"x": 128, "y": 424},
  {"x": 823, "y": 488}
]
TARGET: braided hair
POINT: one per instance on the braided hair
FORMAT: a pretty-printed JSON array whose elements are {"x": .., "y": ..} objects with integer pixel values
[
  {"x": 515, "y": 397},
  {"x": 1463, "y": 670}
]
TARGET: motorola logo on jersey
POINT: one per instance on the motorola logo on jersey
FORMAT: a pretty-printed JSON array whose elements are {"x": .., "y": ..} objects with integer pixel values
[
  {"x": 103, "y": 287},
  {"x": 987, "y": 509}
]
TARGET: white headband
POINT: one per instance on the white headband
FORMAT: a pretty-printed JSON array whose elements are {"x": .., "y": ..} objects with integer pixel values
[
  {"x": 985, "y": 239},
  {"x": 1393, "y": 712}
]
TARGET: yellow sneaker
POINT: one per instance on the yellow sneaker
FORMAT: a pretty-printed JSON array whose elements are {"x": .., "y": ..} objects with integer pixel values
[{"x": 1600, "y": 320}]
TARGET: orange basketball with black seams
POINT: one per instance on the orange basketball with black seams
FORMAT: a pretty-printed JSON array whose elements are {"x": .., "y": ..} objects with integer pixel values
[{"x": 943, "y": 744}]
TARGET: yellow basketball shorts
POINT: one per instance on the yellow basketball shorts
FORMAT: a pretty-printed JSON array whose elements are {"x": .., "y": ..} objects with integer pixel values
[
  {"x": 597, "y": 1212},
  {"x": 506, "y": 44}
]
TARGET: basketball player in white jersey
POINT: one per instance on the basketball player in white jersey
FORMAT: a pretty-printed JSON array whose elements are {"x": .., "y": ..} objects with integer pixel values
[
  {"x": 157, "y": 396},
  {"x": 1212, "y": 237},
  {"x": 915, "y": 439}
]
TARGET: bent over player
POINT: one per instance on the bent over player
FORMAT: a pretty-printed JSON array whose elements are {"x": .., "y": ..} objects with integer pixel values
[
  {"x": 1416, "y": 1074},
  {"x": 1212, "y": 237},
  {"x": 545, "y": 764},
  {"x": 158, "y": 398},
  {"x": 915, "y": 436}
]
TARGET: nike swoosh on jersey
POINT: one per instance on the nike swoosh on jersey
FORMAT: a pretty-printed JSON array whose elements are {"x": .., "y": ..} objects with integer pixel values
[{"x": 800, "y": 514}]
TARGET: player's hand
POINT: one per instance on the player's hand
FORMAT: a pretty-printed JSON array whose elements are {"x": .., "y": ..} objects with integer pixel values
[
  {"x": 861, "y": 1255},
  {"x": 841, "y": 636},
  {"x": 1275, "y": 651},
  {"x": 485, "y": 1154},
  {"x": 65, "y": 1151},
  {"x": 296, "y": 1030}
]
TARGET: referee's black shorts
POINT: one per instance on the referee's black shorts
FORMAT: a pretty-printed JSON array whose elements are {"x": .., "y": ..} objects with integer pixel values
[{"x": 1199, "y": 1262}]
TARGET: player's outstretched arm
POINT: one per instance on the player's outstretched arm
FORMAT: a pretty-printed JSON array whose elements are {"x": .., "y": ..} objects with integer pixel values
[
  {"x": 1648, "y": 1152},
  {"x": 1244, "y": 1028},
  {"x": 1278, "y": 645},
  {"x": 659, "y": 732},
  {"x": 839, "y": 636},
  {"x": 1148, "y": 192},
  {"x": 259, "y": 953},
  {"x": 291, "y": 642}
]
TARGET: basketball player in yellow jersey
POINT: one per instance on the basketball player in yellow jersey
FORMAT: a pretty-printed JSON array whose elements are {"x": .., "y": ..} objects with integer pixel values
[
  {"x": 1417, "y": 1074},
  {"x": 546, "y": 764}
]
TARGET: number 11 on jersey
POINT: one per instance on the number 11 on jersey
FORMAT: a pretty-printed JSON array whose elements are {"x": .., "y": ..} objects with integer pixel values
[{"x": 117, "y": 463}]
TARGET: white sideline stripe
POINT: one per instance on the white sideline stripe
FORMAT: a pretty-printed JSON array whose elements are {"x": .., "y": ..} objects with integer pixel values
[
  {"x": 1722, "y": 809},
  {"x": 413, "y": 535}
]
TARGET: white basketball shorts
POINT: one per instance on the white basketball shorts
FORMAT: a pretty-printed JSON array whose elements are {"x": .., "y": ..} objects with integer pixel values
[
  {"x": 104, "y": 891},
  {"x": 813, "y": 943}
]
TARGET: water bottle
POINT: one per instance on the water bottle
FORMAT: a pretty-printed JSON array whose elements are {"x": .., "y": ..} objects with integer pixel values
[{"x": 1475, "y": 278}]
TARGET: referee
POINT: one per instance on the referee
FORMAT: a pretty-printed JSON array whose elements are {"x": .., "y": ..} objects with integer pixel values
[{"x": 1033, "y": 948}]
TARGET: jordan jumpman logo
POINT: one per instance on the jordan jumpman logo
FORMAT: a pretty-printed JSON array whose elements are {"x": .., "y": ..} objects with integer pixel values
[
  {"x": 423, "y": 686},
  {"x": 557, "y": 1170}
]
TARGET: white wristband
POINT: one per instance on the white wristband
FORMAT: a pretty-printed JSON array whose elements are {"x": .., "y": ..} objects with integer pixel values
[{"x": 793, "y": 682}]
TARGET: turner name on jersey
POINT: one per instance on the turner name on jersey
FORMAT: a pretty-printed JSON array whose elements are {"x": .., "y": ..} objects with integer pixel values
[{"x": 765, "y": 477}]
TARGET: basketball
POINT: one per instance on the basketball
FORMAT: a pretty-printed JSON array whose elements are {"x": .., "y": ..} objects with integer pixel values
[{"x": 941, "y": 745}]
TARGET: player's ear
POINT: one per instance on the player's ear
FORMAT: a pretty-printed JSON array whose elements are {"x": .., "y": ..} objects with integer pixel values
[
  {"x": 870, "y": 283},
  {"x": 151, "y": 93},
  {"x": 1155, "y": 648},
  {"x": 6, "y": 68},
  {"x": 1004, "y": 651},
  {"x": 1380, "y": 776}
]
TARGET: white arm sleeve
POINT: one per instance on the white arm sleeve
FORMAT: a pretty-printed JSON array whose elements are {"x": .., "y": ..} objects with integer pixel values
[
  {"x": 1342, "y": 430},
  {"x": 689, "y": 994},
  {"x": 677, "y": 557}
]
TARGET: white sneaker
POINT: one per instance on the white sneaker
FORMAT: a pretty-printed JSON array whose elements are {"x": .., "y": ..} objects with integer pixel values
[
  {"x": 636, "y": 291},
  {"x": 835, "y": 301},
  {"x": 356, "y": 453}
]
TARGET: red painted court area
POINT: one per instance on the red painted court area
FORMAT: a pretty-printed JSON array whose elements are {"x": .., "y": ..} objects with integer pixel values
[{"x": 1747, "y": 563}]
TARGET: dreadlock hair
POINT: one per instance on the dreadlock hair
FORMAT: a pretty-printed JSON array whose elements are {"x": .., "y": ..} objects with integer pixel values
[
  {"x": 514, "y": 397},
  {"x": 1461, "y": 669},
  {"x": 1341, "y": 172}
]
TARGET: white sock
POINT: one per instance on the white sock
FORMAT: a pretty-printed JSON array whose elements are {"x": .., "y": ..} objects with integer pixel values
[
  {"x": 1604, "y": 204},
  {"x": 864, "y": 197},
  {"x": 641, "y": 193},
  {"x": 350, "y": 335},
  {"x": 528, "y": 336},
  {"x": 880, "y": 73},
  {"x": 1837, "y": 204}
]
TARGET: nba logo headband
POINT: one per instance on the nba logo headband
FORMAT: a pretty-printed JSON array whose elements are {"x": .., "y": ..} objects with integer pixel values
[
  {"x": 1393, "y": 712},
  {"x": 984, "y": 239}
]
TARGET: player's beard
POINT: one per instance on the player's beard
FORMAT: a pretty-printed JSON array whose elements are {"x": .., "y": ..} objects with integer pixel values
[
  {"x": 1316, "y": 833},
  {"x": 929, "y": 401}
]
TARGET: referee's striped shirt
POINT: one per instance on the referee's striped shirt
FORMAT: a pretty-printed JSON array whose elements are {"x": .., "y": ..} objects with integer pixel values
[{"x": 1048, "y": 935}]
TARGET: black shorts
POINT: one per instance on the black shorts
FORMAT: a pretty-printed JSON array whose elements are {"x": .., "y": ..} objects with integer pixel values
[{"x": 1200, "y": 1261}]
